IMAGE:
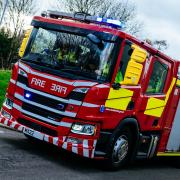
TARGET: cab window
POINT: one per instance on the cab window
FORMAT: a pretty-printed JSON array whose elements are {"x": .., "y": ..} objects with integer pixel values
[
  {"x": 178, "y": 75},
  {"x": 158, "y": 78},
  {"x": 124, "y": 62}
]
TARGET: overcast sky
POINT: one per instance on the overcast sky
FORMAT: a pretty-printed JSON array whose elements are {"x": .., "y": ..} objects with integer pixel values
[{"x": 161, "y": 21}]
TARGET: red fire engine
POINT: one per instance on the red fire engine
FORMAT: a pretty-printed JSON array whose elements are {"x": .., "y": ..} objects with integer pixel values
[{"x": 86, "y": 86}]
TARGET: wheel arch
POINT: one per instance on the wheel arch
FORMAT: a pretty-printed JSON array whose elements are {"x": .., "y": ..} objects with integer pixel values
[
  {"x": 132, "y": 123},
  {"x": 129, "y": 122}
]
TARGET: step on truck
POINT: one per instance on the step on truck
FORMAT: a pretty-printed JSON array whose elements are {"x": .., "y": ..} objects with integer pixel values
[{"x": 86, "y": 86}]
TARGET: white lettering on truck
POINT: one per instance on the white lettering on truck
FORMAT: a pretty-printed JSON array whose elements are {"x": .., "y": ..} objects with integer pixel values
[
  {"x": 38, "y": 82},
  {"x": 58, "y": 88}
]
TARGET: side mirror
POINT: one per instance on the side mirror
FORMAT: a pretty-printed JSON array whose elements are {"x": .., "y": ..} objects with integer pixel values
[
  {"x": 135, "y": 66},
  {"x": 94, "y": 39},
  {"x": 116, "y": 86},
  {"x": 24, "y": 42}
]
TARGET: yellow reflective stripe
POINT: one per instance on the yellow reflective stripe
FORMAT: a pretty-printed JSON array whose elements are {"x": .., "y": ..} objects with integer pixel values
[
  {"x": 157, "y": 112},
  {"x": 120, "y": 93},
  {"x": 119, "y": 99},
  {"x": 178, "y": 83},
  {"x": 119, "y": 104},
  {"x": 24, "y": 42},
  {"x": 170, "y": 90},
  {"x": 135, "y": 66},
  {"x": 168, "y": 154},
  {"x": 155, "y": 106},
  {"x": 155, "y": 103},
  {"x": 133, "y": 73},
  {"x": 139, "y": 55}
]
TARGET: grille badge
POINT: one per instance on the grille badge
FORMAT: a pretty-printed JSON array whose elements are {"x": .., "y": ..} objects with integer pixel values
[
  {"x": 60, "y": 106},
  {"x": 51, "y": 118}
]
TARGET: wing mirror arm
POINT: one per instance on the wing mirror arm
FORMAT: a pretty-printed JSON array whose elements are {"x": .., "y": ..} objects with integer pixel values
[{"x": 116, "y": 86}]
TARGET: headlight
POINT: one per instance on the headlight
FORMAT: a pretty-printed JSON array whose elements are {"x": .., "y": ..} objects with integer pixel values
[
  {"x": 8, "y": 103},
  {"x": 81, "y": 90},
  {"x": 83, "y": 129},
  {"x": 78, "y": 94},
  {"x": 5, "y": 114}
]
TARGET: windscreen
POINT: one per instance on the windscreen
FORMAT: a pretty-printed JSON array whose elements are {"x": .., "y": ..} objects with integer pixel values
[{"x": 75, "y": 53}]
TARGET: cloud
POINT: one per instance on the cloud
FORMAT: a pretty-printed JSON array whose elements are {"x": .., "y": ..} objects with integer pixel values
[{"x": 161, "y": 19}]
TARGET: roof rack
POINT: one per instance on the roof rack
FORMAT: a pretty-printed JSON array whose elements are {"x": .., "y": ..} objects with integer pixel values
[{"x": 83, "y": 17}]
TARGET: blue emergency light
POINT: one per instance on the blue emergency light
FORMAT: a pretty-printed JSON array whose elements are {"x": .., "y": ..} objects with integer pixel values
[{"x": 111, "y": 22}]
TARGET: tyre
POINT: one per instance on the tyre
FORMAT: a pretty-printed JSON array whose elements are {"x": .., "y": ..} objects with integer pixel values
[
  {"x": 120, "y": 149},
  {"x": 178, "y": 162}
]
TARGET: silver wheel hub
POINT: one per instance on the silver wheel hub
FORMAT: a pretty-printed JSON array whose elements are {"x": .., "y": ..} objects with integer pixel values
[{"x": 120, "y": 150}]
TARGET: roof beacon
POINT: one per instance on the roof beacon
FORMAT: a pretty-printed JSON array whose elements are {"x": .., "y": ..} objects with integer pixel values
[
  {"x": 111, "y": 22},
  {"x": 83, "y": 17}
]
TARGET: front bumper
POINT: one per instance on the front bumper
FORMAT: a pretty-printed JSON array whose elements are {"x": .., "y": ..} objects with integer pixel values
[{"x": 86, "y": 148}]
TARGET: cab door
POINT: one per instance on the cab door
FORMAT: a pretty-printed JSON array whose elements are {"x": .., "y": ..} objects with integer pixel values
[
  {"x": 159, "y": 83},
  {"x": 126, "y": 82}
]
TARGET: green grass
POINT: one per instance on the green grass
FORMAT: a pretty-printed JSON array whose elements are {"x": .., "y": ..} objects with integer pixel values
[{"x": 4, "y": 80}]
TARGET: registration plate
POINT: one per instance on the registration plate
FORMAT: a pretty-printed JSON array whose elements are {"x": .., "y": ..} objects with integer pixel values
[{"x": 33, "y": 133}]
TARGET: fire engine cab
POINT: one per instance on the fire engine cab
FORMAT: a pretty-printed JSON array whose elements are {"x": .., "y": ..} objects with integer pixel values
[{"x": 86, "y": 86}]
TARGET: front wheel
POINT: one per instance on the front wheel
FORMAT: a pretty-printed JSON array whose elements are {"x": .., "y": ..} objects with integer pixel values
[
  {"x": 120, "y": 149},
  {"x": 178, "y": 162}
]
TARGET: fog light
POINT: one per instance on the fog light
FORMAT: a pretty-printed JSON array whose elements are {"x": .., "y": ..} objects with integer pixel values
[
  {"x": 8, "y": 103},
  {"x": 83, "y": 129},
  {"x": 5, "y": 114}
]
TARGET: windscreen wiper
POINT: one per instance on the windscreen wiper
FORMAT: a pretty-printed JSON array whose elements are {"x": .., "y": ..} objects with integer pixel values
[{"x": 38, "y": 59}]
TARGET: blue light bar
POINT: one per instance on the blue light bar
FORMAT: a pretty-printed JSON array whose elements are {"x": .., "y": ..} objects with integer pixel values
[
  {"x": 83, "y": 17},
  {"x": 111, "y": 22}
]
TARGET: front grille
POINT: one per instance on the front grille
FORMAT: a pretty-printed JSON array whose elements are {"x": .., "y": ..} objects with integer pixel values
[
  {"x": 41, "y": 112},
  {"x": 22, "y": 79},
  {"x": 52, "y": 103},
  {"x": 38, "y": 127}
]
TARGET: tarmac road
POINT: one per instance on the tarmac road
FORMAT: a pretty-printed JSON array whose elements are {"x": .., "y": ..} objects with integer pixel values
[{"x": 22, "y": 159}]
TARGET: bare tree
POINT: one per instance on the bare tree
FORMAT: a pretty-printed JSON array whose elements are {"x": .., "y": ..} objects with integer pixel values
[
  {"x": 1, "y": 5},
  {"x": 1, "y": 8},
  {"x": 17, "y": 11},
  {"x": 123, "y": 10},
  {"x": 161, "y": 45}
]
